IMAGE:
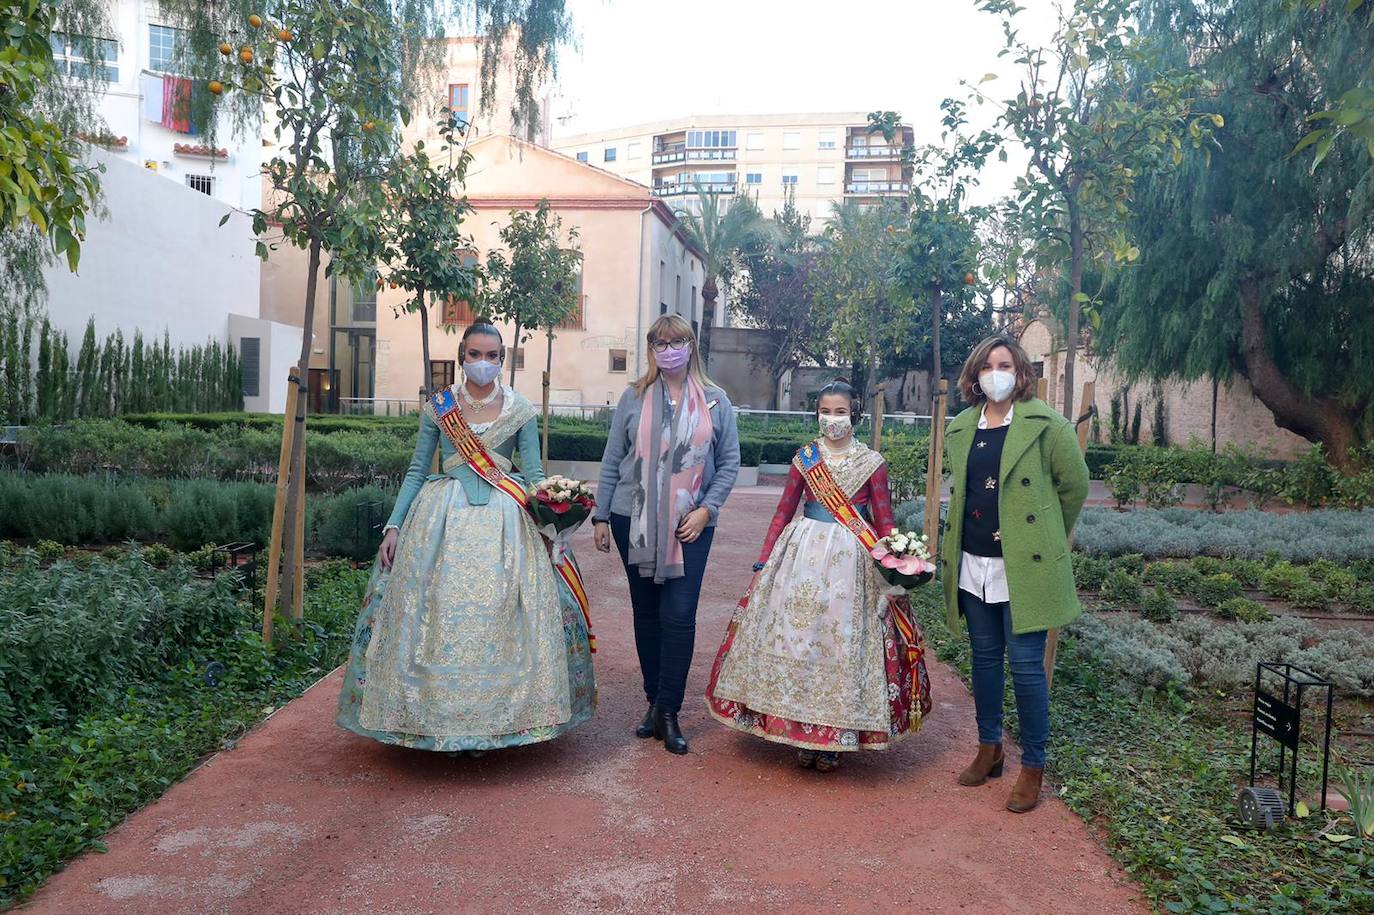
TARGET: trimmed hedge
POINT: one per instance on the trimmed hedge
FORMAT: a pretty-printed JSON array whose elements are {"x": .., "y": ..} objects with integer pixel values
[{"x": 187, "y": 514}]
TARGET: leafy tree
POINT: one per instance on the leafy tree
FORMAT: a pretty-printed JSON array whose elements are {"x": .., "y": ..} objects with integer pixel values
[
  {"x": 423, "y": 231},
  {"x": 1094, "y": 111},
  {"x": 940, "y": 253},
  {"x": 1258, "y": 264},
  {"x": 533, "y": 283},
  {"x": 720, "y": 234},
  {"x": 46, "y": 190},
  {"x": 873, "y": 317},
  {"x": 1351, "y": 113},
  {"x": 519, "y": 44},
  {"x": 770, "y": 290}
]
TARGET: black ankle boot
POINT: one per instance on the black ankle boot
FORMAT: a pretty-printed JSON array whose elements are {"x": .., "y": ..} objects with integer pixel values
[
  {"x": 666, "y": 729},
  {"x": 646, "y": 727}
]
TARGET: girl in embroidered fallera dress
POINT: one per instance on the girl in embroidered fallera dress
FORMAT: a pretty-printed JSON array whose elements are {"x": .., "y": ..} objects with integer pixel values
[
  {"x": 468, "y": 640},
  {"x": 812, "y": 657}
]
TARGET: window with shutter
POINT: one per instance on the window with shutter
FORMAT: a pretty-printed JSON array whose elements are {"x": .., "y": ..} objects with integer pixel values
[{"x": 250, "y": 359}]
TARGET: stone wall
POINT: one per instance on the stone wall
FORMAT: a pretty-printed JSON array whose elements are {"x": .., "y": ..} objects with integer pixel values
[{"x": 1241, "y": 419}]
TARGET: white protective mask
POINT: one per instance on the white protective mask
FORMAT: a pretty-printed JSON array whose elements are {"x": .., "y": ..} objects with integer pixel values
[
  {"x": 481, "y": 373},
  {"x": 835, "y": 427},
  {"x": 997, "y": 385}
]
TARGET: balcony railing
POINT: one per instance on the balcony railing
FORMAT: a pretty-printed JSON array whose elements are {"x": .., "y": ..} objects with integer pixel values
[
  {"x": 874, "y": 188},
  {"x": 681, "y": 189},
  {"x": 668, "y": 155},
  {"x": 711, "y": 155},
  {"x": 874, "y": 152}
]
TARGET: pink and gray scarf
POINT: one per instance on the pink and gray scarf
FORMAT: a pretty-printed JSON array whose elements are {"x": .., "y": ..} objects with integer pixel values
[{"x": 670, "y": 452}]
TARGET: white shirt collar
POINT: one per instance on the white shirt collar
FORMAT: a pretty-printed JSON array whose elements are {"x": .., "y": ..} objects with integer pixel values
[{"x": 983, "y": 416}]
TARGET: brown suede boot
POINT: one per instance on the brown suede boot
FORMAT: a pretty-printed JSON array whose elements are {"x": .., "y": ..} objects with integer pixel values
[
  {"x": 987, "y": 764},
  {"x": 1026, "y": 793}
]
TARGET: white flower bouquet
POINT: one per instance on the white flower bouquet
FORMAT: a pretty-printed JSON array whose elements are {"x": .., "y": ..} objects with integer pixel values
[
  {"x": 561, "y": 505},
  {"x": 903, "y": 559}
]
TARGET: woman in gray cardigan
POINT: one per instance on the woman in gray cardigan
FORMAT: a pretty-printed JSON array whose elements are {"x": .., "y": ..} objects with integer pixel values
[{"x": 671, "y": 458}]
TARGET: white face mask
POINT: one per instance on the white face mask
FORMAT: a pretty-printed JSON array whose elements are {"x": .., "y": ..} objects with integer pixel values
[
  {"x": 997, "y": 385},
  {"x": 835, "y": 427},
  {"x": 481, "y": 373}
]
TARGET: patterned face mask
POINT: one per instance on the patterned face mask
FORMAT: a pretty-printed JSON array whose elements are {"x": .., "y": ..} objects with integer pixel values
[{"x": 835, "y": 427}]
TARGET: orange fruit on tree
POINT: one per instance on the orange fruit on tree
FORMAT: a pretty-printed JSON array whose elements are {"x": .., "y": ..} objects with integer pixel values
[
  {"x": 255, "y": 21},
  {"x": 225, "y": 48},
  {"x": 369, "y": 126},
  {"x": 970, "y": 279},
  {"x": 216, "y": 87},
  {"x": 246, "y": 54},
  {"x": 284, "y": 34}
]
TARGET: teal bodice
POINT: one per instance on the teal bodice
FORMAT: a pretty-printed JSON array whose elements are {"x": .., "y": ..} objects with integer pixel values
[{"x": 522, "y": 441}]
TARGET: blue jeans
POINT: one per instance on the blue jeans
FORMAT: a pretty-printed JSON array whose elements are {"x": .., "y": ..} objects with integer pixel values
[
  {"x": 991, "y": 638},
  {"x": 665, "y": 617}
]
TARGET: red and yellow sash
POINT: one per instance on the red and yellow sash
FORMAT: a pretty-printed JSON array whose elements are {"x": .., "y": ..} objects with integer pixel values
[
  {"x": 811, "y": 464},
  {"x": 449, "y": 417}
]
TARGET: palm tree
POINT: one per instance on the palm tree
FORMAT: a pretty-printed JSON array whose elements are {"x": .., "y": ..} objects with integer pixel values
[{"x": 720, "y": 232}]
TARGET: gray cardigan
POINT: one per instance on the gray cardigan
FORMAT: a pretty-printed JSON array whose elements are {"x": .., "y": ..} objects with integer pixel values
[{"x": 722, "y": 462}]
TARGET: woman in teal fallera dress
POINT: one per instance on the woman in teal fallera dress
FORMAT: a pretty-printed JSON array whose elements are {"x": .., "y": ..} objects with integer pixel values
[{"x": 468, "y": 640}]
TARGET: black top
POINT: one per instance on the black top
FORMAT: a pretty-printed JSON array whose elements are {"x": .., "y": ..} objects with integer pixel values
[{"x": 981, "y": 535}]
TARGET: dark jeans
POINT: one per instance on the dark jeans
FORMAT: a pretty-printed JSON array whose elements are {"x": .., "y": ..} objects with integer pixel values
[
  {"x": 665, "y": 617},
  {"x": 991, "y": 638}
]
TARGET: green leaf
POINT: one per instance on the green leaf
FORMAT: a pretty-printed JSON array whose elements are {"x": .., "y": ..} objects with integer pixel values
[
  {"x": 1237, "y": 841},
  {"x": 1337, "y": 837},
  {"x": 1302, "y": 810},
  {"x": 225, "y": 218},
  {"x": 987, "y": 78}
]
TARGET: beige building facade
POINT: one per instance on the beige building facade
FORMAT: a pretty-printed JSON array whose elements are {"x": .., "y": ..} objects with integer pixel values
[
  {"x": 1189, "y": 415},
  {"x": 820, "y": 159},
  {"x": 636, "y": 265}
]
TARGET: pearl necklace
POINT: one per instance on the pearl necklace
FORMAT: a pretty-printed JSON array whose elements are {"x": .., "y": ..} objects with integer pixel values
[
  {"x": 842, "y": 454},
  {"x": 479, "y": 404}
]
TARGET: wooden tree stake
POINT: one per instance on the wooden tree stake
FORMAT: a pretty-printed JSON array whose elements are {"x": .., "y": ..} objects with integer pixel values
[
  {"x": 293, "y": 388},
  {"x": 1052, "y": 642},
  {"x": 935, "y": 465},
  {"x": 298, "y": 565},
  {"x": 879, "y": 397}
]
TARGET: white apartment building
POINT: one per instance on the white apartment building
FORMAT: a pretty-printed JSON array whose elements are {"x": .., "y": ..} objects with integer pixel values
[
  {"x": 822, "y": 159},
  {"x": 143, "y": 120}
]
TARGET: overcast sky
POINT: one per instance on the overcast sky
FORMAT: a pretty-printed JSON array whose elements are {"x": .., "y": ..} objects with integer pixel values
[{"x": 645, "y": 60}]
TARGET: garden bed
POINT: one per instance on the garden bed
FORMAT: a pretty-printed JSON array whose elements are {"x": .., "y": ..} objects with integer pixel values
[
  {"x": 1155, "y": 770},
  {"x": 119, "y": 677}
]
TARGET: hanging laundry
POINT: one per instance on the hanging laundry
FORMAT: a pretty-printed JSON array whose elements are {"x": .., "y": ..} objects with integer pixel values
[
  {"x": 176, "y": 104},
  {"x": 150, "y": 85}
]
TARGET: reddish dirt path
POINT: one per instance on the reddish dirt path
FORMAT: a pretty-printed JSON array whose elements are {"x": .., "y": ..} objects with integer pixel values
[{"x": 302, "y": 817}]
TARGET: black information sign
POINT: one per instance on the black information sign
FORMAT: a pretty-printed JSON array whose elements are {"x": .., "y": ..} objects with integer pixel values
[{"x": 1277, "y": 718}]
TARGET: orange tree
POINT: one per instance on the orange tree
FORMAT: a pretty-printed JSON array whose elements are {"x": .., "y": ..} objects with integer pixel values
[{"x": 422, "y": 228}]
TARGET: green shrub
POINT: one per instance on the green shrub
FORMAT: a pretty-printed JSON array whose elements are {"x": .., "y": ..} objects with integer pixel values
[
  {"x": 1341, "y": 586},
  {"x": 1131, "y": 563},
  {"x": 1283, "y": 579},
  {"x": 1176, "y": 577},
  {"x": 1246, "y": 571},
  {"x": 1215, "y": 590},
  {"x": 1209, "y": 565},
  {"x": 202, "y": 559},
  {"x": 50, "y": 550},
  {"x": 1121, "y": 589},
  {"x": 906, "y": 467},
  {"x": 1157, "y": 606},
  {"x": 112, "y": 553},
  {"x": 1309, "y": 595},
  {"x": 1244, "y": 610},
  {"x": 157, "y": 555},
  {"x": 342, "y": 527},
  {"x": 1089, "y": 572}
]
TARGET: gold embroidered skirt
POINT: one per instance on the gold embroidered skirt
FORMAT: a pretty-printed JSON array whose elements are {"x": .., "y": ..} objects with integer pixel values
[
  {"x": 811, "y": 643},
  {"x": 471, "y": 641}
]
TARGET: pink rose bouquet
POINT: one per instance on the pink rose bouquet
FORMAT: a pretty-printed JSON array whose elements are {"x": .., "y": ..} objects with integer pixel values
[{"x": 903, "y": 559}]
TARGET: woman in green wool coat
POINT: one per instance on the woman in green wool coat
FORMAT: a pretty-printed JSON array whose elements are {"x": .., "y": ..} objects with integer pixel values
[{"x": 1018, "y": 484}]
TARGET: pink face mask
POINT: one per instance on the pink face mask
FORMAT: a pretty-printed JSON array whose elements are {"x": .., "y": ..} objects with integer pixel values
[{"x": 673, "y": 360}]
